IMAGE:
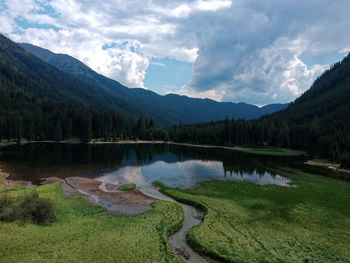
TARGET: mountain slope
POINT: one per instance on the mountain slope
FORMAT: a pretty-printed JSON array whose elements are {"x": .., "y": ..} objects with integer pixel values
[
  {"x": 168, "y": 109},
  {"x": 39, "y": 101},
  {"x": 60, "y": 85},
  {"x": 326, "y": 104},
  {"x": 320, "y": 119}
]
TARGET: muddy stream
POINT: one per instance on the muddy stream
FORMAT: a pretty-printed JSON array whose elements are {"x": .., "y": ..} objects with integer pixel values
[
  {"x": 100, "y": 192},
  {"x": 177, "y": 240}
]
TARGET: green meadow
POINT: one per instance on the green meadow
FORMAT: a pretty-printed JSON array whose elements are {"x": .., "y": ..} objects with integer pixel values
[
  {"x": 246, "y": 222},
  {"x": 263, "y": 150},
  {"x": 84, "y": 233}
]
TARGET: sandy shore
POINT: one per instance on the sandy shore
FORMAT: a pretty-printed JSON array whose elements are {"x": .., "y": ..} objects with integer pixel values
[
  {"x": 96, "y": 193},
  {"x": 11, "y": 183},
  {"x": 329, "y": 165}
]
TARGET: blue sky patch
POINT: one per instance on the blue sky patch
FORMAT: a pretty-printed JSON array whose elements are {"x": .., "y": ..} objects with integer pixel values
[
  {"x": 23, "y": 23},
  {"x": 167, "y": 75}
]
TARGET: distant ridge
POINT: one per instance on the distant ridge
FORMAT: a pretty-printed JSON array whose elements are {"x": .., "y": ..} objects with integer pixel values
[
  {"x": 319, "y": 120},
  {"x": 40, "y": 102},
  {"x": 165, "y": 110}
]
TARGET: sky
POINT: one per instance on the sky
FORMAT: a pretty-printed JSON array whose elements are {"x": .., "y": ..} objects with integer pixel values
[{"x": 252, "y": 51}]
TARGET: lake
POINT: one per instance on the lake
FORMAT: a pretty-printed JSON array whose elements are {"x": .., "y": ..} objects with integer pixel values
[{"x": 142, "y": 164}]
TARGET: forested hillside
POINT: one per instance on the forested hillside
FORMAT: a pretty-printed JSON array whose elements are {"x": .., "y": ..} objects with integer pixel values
[
  {"x": 318, "y": 122},
  {"x": 37, "y": 101}
]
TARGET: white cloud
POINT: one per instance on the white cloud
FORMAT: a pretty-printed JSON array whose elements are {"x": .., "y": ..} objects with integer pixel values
[
  {"x": 6, "y": 24},
  {"x": 213, "y": 5},
  {"x": 29, "y": 10},
  {"x": 159, "y": 64},
  {"x": 253, "y": 50},
  {"x": 345, "y": 50},
  {"x": 183, "y": 9},
  {"x": 213, "y": 94},
  {"x": 96, "y": 33},
  {"x": 118, "y": 62},
  {"x": 280, "y": 71},
  {"x": 243, "y": 50},
  {"x": 273, "y": 74}
]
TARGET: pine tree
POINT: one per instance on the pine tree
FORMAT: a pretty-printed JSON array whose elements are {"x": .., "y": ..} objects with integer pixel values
[
  {"x": 69, "y": 130},
  {"x": 86, "y": 130},
  {"x": 58, "y": 131},
  {"x": 141, "y": 128}
]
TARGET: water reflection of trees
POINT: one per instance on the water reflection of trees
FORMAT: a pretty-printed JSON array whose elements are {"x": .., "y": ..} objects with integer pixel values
[
  {"x": 109, "y": 156},
  {"x": 235, "y": 162},
  {"x": 103, "y": 155},
  {"x": 63, "y": 154}
]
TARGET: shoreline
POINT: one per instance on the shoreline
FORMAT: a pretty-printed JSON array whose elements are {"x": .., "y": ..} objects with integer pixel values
[
  {"x": 327, "y": 164},
  {"x": 8, "y": 184},
  {"x": 95, "y": 192},
  {"x": 268, "y": 151},
  {"x": 271, "y": 151}
]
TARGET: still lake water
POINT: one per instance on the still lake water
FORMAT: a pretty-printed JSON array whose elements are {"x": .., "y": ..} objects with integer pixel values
[{"x": 142, "y": 164}]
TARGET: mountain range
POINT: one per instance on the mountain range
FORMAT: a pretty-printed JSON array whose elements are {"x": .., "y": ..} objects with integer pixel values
[{"x": 164, "y": 110}]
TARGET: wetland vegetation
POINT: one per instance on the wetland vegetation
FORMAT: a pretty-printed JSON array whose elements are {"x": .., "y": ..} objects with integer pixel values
[
  {"x": 85, "y": 233},
  {"x": 246, "y": 222}
]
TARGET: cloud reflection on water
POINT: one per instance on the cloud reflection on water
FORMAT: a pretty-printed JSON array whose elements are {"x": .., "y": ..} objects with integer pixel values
[{"x": 185, "y": 174}]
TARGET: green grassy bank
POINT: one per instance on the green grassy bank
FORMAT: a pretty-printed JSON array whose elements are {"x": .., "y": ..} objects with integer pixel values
[
  {"x": 245, "y": 222},
  {"x": 264, "y": 150},
  {"x": 272, "y": 151},
  {"x": 84, "y": 233},
  {"x": 127, "y": 187}
]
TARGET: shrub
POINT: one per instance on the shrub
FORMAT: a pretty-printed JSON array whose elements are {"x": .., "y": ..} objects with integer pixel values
[
  {"x": 127, "y": 187},
  {"x": 38, "y": 209},
  {"x": 7, "y": 209},
  {"x": 28, "y": 207}
]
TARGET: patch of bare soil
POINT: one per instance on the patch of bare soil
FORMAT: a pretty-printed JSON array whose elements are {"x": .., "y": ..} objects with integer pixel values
[
  {"x": 67, "y": 190},
  {"x": 116, "y": 202},
  {"x": 11, "y": 183}
]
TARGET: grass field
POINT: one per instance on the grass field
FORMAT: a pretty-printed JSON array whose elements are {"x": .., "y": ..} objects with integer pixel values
[
  {"x": 272, "y": 151},
  {"x": 84, "y": 233},
  {"x": 245, "y": 222}
]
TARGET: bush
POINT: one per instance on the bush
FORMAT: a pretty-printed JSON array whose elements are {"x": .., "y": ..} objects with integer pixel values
[
  {"x": 7, "y": 209},
  {"x": 29, "y": 207},
  {"x": 38, "y": 209},
  {"x": 127, "y": 187}
]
